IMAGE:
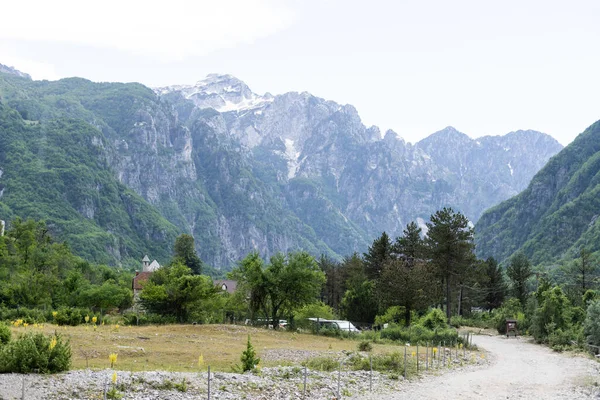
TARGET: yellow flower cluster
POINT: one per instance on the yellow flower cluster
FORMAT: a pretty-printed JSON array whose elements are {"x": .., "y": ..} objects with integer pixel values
[
  {"x": 18, "y": 323},
  {"x": 54, "y": 314},
  {"x": 53, "y": 343},
  {"x": 201, "y": 361},
  {"x": 435, "y": 350},
  {"x": 113, "y": 359}
]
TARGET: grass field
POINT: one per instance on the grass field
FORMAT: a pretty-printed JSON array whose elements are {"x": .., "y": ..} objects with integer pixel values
[{"x": 177, "y": 347}]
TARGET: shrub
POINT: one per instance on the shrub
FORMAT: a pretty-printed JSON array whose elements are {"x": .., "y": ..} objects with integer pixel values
[
  {"x": 394, "y": 314},
  {"x": 365, "y": 345},
  {"x": 434, "y": 319},
  {"x": 322, "y": 364},
  {"x": 249, "y": 359},
  {"x": 5, "y": 334},
  {"x": 28, "y": 315},
  {"x": 591, "y": 327},
  {"x": 510, "y": 310},
  {"x": 35, "y": 352},
  {"x": 70, "y": 316},
  {"x": 418, "y": 334}
]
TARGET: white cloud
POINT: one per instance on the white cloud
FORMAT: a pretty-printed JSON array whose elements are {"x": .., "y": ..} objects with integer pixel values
[
  {"x": 37, "y": 70},
  {"x": 166, "y": 31}
]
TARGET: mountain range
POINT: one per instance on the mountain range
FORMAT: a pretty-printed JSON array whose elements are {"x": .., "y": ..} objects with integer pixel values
[
  {"x": 118, "y": 170},
  {"x": 556, "y": 215}
]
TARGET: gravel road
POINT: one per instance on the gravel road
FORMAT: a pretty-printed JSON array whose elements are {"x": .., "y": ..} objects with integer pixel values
[{"x": 519, "y": 370}]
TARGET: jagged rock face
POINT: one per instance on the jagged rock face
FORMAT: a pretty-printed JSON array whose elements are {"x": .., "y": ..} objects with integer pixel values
[
  {"x": 243, "y": 171},
  {"x": 330, "y": 167},
  {"x": 13, "y": 71}
]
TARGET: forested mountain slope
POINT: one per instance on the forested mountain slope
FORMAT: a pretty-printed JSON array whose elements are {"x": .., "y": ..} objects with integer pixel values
[{"x": 556, "y": 214}]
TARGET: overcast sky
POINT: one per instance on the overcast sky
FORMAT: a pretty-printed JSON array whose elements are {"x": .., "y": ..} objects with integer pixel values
[{"x": 486, "y": 68}]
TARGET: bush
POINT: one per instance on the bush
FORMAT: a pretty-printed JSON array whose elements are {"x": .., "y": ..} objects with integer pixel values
[
  {"x": 70, "y": 316},
  {"x": 365, "y": 345},
  {"x": 591, "y": 327},
  {"x": 434, "y": 319},
  {"x": 35, "y": 352},
  {"x": 418, "y": 334},
  {"x": 510, "y": 309},
  {"x": 327, "y": 364},
  {"x": 5, "y": 334},
  {"x": 28, "y": 315},
  {"x": 146, "y": 319}
]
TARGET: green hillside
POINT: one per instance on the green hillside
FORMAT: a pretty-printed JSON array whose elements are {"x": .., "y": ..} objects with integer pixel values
[
  {"x": 57, "y": 171},
  {"x": 556, "y": 214}
]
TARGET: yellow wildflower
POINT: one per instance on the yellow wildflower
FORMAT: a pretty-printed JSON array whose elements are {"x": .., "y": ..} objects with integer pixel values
[
  {"x": 114, "y": 378},
  {"x": 113, "y": 359},
  {"x": 460, "y": 346},
  {"x": 413, "y": 354},
  {"x": 94, "y": 320},
  {"x": 25, "y": 325},
  {"x": 435, "y": 350},
  {"x": 87, "y": 319},
  {"x": 53, "y": 343},
  {"x": 54, "y": 314},
  {"x": 201, "y": 361}
]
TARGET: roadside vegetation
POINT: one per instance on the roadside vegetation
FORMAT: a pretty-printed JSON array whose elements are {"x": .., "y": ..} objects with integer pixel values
[{"x": 415, "y": 290}]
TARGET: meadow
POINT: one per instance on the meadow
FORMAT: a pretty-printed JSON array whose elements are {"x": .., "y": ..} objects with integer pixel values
[{"x": 178, "y": 347}]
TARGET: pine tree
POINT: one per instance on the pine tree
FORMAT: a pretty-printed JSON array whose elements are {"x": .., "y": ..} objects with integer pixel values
[
  {"x": 450, "y": 247},
  {"x": 185, "y": 252},
  {"x": 410, "y": 245},
  {"x": 495, "y": 287},
  {"x": 519, "y": 271},
  {"x": 379, "y": 252}
]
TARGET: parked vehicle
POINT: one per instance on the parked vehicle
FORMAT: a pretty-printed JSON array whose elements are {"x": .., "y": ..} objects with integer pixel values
[{"x": 336, "y": 324}]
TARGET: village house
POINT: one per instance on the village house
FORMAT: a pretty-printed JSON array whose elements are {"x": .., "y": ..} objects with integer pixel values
[{"x": 142, "y": 276}]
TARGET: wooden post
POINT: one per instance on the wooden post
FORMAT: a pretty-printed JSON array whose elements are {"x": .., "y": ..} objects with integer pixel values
[
  {"x": 426, "y": 356},
  {"x": 404, "y": 361},
  {"x": 304, "y": 392},
  {"x": 371, "y": 374},
  {"x": 209, "y": 382}
]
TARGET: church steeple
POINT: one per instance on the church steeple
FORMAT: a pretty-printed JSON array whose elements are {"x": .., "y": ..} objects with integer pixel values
[{"x": 145, "y": 263}]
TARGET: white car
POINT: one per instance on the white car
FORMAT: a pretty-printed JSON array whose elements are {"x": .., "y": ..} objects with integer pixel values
[{"x": 346, "y": 326}]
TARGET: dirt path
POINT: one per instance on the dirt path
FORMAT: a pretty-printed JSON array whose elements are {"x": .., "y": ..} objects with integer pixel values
[{"x": 521, "y": 370}]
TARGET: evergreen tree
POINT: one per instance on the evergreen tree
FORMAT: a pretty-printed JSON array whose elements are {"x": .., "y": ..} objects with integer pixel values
[
  {"x": 408, "y": 284},
  {"x": 519, "y": 271},
  {"x": 185, "y": 252},
  {"x": 450, "y": 247},
  {"x": 410, "y": 245},
  {"x": 495, "y": 287},
  {"x": 379, "y": 252},
  {"x": 334, "y": 287},
  {"x": 583, "y": 272}
]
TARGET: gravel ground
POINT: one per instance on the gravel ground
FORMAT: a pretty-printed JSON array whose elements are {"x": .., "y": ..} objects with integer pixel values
[
  {"x": 513, "y": 369},
  {"x": 520, "y": 370}
]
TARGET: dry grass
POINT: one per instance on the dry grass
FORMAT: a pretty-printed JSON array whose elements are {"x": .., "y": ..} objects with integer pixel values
[{"x": 177, "y": 347}]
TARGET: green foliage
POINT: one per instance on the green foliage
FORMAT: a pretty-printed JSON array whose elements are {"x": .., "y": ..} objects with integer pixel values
[
  {"x": 36, "y": 272},
  {"x": 434, "y": 319},
  {"x": 249, "y": 359},
  {"x": 554, "y": 312},
  {"x": 519, "y": 271},
  {"x": 379, "y": 252},
  {"x": 394, "y": 314},
  {"x": 450, "y": 247},
  {"x": 185, "y": 252},
  {"x": 285, "y": 285},
  {"x": 313, "y": 310},
  {"x": 556, "y": 215},
  {"x": 495, "y": 285},
  {"x": 35, "y": 352},
  {"x": 5, "y": 334},
  {"x": 174, "y": 290},
  {"x": 365, "y": 345},
  {"x": 410, "y": 244},
  {"x": 511, "y": 309},
  {"x": 418, "y": 334},
  {"x": 592, "y": 324},
  {"x": 326, "y": 364}
]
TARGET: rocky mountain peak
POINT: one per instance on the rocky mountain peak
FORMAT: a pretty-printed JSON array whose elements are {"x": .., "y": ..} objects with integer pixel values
[
  {"x": 13, "y": 71},
  {"x": 222, "y": 92}
]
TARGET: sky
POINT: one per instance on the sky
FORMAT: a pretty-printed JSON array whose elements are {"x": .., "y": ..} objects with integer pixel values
[{"x": 483, "y": 67}]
